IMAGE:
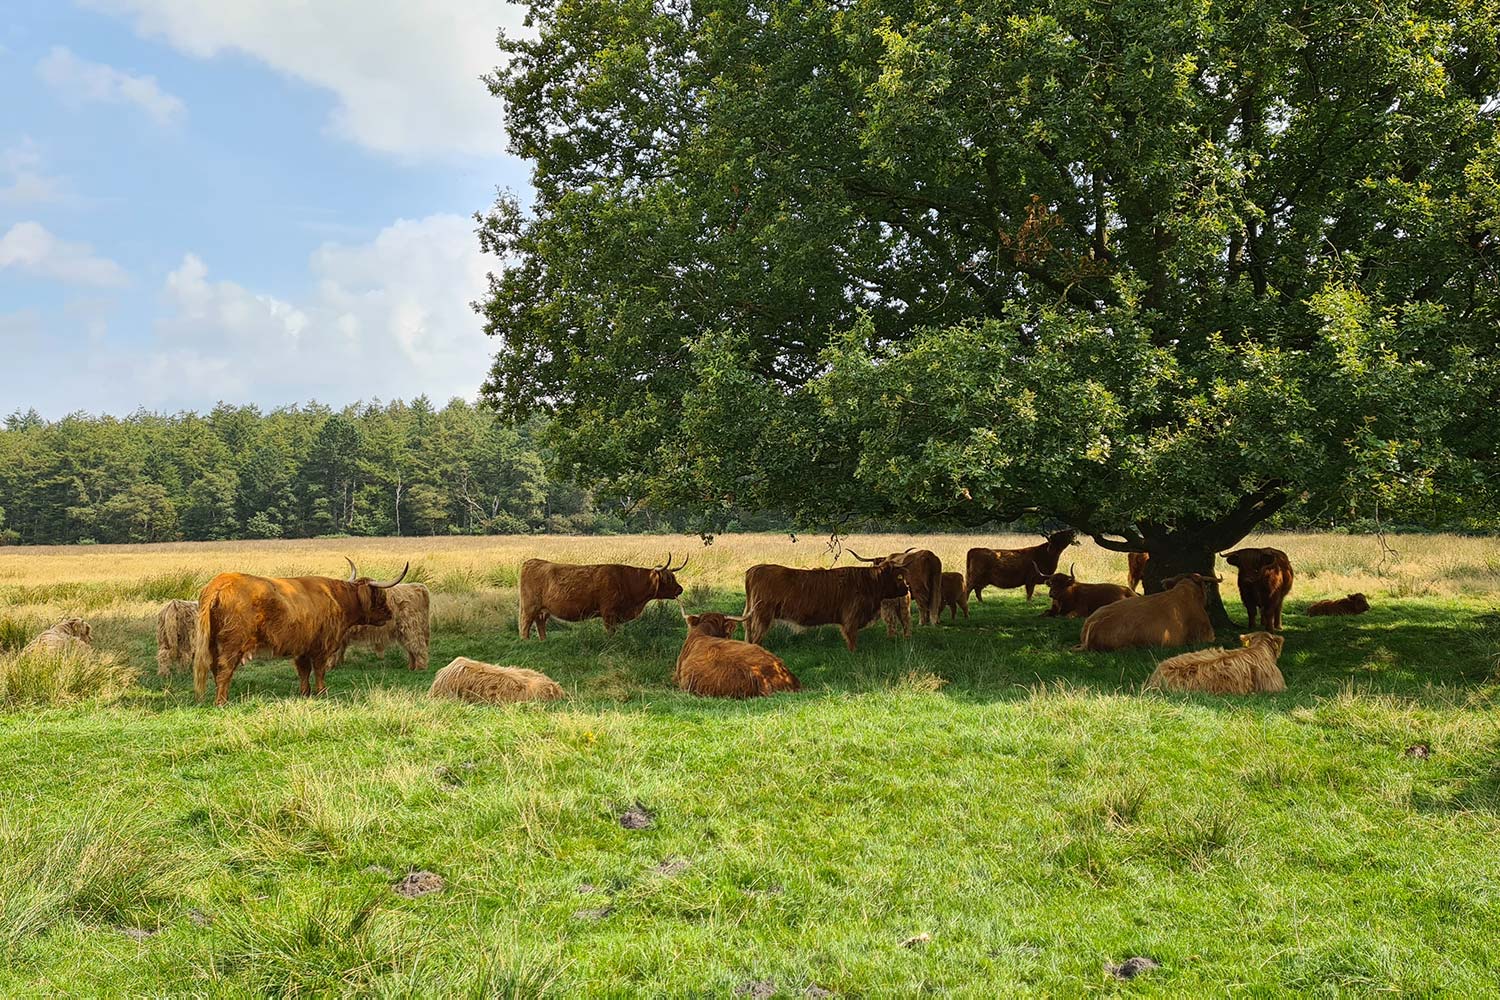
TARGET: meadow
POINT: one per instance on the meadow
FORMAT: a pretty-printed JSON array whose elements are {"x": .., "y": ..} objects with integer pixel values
[{"x": 1024, "y": 807}]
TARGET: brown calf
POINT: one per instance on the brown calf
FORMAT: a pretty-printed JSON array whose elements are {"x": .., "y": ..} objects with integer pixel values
[
  {"x": 1354, "y": 604},
  {"x": 954, "y": 595},
  {"x": 1265, "y": 580}
]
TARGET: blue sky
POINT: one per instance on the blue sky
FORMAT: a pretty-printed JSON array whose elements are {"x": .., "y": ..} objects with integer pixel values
[{"x": 260, "y": 202}]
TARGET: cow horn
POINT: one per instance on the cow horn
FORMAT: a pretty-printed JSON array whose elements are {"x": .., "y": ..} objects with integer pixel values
[
  {"x": 386, "y": 586},
  {"x": 736, "y": 618},
  {"x": 353, "y": 573},
  {"x": 678, "y": 569},
  {"x": 1072, "y": 574},
  {"x": 860, "y": 557},
  {"x": 683, "y": 611},
  {"x": 667, "y": 563}
]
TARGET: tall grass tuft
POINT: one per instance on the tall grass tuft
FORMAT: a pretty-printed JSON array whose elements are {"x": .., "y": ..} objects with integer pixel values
[
  {"x": 58, "y": 677},
  {"x": 14, "y": 634},
  {"x": 323, "y": 948},
  {"x": 178, "y": 585}
]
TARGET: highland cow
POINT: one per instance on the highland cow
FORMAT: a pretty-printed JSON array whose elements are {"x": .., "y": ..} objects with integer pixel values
[
  {"x": 470, "y": 680},
  {"x": 1071, "y": 599},
  {"x": 410, "y": 626},
  {"x": 1008, "y": 568},
  {"x": 1265, "y": 580},
  {"x": 176, "y": 632},
  {"x": 713, "y": 664},
  {"x": 1354, "y": 604},
  {"x": 1246, "y": 670},
  {"x": 848, "y": 596},
  {"x": 70, "y": 633},
  {"x": 954, "y": 595},
  {"x": 1176, "y": 616},
  {"x": 611, "y": 592}
]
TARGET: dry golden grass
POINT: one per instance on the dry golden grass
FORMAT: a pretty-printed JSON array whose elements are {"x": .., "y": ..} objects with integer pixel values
[{"x": 123, "y": 582}]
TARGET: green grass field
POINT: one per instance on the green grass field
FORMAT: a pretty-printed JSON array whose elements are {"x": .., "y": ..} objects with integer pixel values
[{"x": 1025, "y": 806}]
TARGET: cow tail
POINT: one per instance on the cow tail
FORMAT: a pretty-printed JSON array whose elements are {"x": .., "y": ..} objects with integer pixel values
[{"x": 203, "y": 653}]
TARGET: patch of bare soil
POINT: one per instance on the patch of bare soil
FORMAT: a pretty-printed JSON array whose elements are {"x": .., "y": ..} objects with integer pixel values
[
  {"x": 1131, "y": 967},
  {"x": 637, "y": 817},
  {"x": 420, "y": 884},
  {"x": 756, "y": 989}
]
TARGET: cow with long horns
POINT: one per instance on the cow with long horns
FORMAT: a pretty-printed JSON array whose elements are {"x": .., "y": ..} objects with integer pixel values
[
  {"x": 611, "y": 592},
  {"x": 924, "y": 579},
  {"x": 305, "y": 619}
]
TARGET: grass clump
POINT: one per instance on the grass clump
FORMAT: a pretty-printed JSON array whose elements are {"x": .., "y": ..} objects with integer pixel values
[{"x": 58, "y": 677}]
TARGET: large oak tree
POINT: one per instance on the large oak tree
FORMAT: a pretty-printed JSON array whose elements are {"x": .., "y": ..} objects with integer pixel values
[{"x": 1157, "y": 269}]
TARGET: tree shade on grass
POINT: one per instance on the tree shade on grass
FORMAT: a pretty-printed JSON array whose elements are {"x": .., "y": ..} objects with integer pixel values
[{"x": 1155, "y": 270}]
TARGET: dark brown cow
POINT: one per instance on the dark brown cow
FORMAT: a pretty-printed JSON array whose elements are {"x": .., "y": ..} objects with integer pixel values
[
  {"x": 305, "y": 619},
  {"x": 924, "y": 575},
  {"x": 608, "y": 591},
  {"x": 1071, "y": 599},
  {"x": 1265, "y": 580},
  {"x": 1177, "y": 616},
  {"x": 1009, "y": 568},
  {"x": 848, "y": 597},
  {"x": 954, "y": 595},
  {"x": 1135, "y": 567},
  {"x": 1354, "y": 604},
  {"x": 713, "y": 664}
]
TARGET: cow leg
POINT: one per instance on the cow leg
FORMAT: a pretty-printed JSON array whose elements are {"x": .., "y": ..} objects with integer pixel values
[
  {"x": 1030, "y": 586},
  {"x": 321, "y": 667},
  {"x": 851, "y": 635},
  {"x": 223, "y": 674},
  {"x": 304, "y": 675}
]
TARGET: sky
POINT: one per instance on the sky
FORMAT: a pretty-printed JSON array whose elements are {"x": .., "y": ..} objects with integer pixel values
[{"x": 264, "y": 201}]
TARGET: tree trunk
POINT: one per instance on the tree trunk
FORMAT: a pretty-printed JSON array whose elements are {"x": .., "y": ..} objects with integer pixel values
[{"x": 1175, "y": 554}]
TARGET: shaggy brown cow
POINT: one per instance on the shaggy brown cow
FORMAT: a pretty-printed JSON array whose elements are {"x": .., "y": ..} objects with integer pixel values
[
  {"x": 954, "y": 595},
  {"x": 410, "y": 626},
  {"x": 1009, "y": 568},
  {"x": 1265, "y": 580},
  {"x": 849, "y": 597},
  {"x": 70, "y": 633},
  {"x": 305, "y": 619},
  {"x": 176, "y": 628},
  {"x": 1246, "y": 670},
  {"x": 713, "y": 664},
  {"x": 1071, "y": 599},
  {"x": 1354, "y": 604},
  {"x": 470, "y": 680},
  {"x": 924, "y": 574},
  {"x": 1174, "y": 617},
  {"x": 1135, "y": 568},
  {"x": 608, "y": 591}
]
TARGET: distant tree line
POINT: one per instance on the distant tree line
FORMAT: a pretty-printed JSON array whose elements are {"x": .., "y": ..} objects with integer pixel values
[{"x": 295, "y": 472}]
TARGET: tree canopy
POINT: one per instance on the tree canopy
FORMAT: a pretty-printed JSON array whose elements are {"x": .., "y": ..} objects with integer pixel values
[{"x": 1156, "y": 269}]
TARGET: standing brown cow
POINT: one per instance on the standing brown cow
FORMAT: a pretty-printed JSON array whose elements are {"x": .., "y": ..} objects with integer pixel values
[
  {"x": 1016, "y": 567},
  {"x": 608, "y": 591},
  {"x": 849, "y": 597},
  {"x": 1135, "y": 568},
  {"x": 304, "y": 618},
  {"x": 1265, "y": 580}
]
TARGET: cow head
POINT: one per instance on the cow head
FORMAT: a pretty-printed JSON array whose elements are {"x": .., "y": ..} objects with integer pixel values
[
  {"x": 890, "y": 574},
  {"x": 76, "y": 627},
  {"x": 374, "y": 609},
  {"x": 1197, "y": 580},
  {"x": 664, "y": 583},
  {"x": 711, "y": 623},
  {"x": 1059, "y": 540},
  {"x": 1254, "y": 639},
  {"x": 1358, "y": 602},
  {"x": 1056, "y": 582},
  {"x": 1250, "y": 561}
]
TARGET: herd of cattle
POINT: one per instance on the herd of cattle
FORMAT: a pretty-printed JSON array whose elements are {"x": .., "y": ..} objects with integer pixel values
[{"x": 313, "y": 620}]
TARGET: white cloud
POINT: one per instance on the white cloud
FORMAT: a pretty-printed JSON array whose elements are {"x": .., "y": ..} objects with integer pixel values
[
  {"x": 22, "y": 181},
  {"x": 78, "y": 81},
  {"x": 386, "y": 318},
  {"x": 30, "y": 247},
  {"x": 406, "y": 75}
]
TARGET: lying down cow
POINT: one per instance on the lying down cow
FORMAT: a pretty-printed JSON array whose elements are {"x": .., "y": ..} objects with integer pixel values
[
  {"x": 611, "y": 592},
  {"x": 1177, "y": 616},
  {"x": 713, "y": 664}
]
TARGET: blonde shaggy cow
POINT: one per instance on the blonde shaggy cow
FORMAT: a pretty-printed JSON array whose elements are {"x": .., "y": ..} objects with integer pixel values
[
  {"x": 1246, "y": 670},
  {"x": 176, "y": 633},
  {"x": 410, "y": 626},
  {"x": 470, "y": 680},
  {"x": 70, "y": 633}
]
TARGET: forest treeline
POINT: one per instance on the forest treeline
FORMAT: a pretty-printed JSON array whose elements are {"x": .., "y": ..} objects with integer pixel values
[{"x": 296, "y": 472}]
